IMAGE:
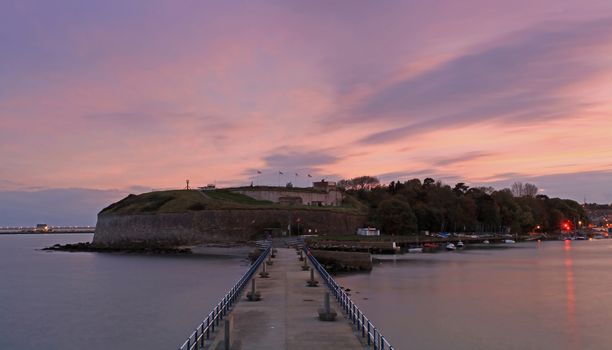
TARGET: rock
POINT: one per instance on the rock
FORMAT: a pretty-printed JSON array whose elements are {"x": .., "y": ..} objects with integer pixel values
[
  {"x": 89, "y": 247},
  {"x": 335, "y": 261}
]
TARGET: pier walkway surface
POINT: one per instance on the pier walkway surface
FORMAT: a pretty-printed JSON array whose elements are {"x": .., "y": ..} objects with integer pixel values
[{"x": 286, "y": 317}]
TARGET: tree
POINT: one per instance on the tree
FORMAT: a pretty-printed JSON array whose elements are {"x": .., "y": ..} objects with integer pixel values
[
  {"x": 520, "y": 189},
  {"x": 400, "y": 208},
  {"x": 461, "y": 188},
  {"x": 396, "y": 217},
  {"x": 530, "y": 190},
  {"x": 365, "y": 183},
  {"x": 428, "y": 182},
  {"x": 517, "y": 189},
  {"x": 361, "y": 183},
  {"x": 428, "y": 218},
  {"x": 344, "y": 184},
  {"x": 391, "y": 187}
]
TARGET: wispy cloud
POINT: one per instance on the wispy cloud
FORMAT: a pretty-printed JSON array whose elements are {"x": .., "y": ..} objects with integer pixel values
[
  {"x": 461, "y": 158},
  {"x": 300, "y": 159},
  {"x": 125, "y": 94},
  {"x": 404, "y": 175},
  {"x": 520, "y": 78}
]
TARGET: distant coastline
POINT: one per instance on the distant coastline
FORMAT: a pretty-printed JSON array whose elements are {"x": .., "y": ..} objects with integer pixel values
[{"x": 32, "y": 231}]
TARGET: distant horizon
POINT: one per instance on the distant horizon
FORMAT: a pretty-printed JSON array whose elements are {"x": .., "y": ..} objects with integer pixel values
[{"x": 84, "y": 204}]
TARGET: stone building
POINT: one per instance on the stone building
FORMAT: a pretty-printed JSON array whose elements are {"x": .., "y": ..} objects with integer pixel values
[{"x": 323, "y": 193}]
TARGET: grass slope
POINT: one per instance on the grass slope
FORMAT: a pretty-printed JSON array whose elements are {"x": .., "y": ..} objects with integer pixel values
[
  {"x": 159, "y": 202},
  {"x": 178, "y": 201}
]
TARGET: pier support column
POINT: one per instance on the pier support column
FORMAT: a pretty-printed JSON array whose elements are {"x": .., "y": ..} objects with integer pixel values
[
  {"x": 253, "y": 295},
  {"x": 264, "y": 273},
  {"x": 327, "y": 313},
  {"x": 312, "y": 282}
]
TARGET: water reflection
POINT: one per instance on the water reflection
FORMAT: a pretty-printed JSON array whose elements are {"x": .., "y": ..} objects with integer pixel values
[
  {"x": 572, "y": 326},
  {"x": 557, "y": 296}
]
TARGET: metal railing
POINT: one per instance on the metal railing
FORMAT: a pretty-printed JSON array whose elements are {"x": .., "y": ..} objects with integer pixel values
[
  {"x": 202, "y": 333},
  {"x": 364, "y": 326}
]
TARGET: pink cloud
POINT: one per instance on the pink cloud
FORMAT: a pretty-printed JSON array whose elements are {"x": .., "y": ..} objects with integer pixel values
[{"x": 154, "y": 96}]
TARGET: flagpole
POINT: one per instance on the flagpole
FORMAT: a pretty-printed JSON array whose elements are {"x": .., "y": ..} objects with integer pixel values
[{"x": 257, "y": 173}]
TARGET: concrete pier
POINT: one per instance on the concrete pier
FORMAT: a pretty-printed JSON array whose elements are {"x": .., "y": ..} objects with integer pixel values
[{"x": 287, "y": 317}]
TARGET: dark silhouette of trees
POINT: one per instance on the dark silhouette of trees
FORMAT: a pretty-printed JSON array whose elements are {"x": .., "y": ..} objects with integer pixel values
[
  {"x": 520, "y": 189},
  {"x": 396, "y": 217},
  {"x": 361, "y": 183},
  {"x": 412, "y": 206}
]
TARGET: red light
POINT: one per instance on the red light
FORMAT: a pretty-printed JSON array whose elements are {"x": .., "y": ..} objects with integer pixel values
[{"x": 566, "y": 226}]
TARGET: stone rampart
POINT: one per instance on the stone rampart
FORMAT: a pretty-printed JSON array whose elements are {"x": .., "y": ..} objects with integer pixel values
[
  {"x": 333, "y": 197},
  {"x": 229, "y": 225}
]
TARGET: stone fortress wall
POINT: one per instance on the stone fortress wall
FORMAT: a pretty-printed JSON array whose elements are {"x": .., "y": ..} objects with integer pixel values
[{"x": 227, "y": 225}]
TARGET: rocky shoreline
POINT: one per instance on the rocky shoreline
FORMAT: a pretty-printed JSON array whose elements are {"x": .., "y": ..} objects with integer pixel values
[
  {"x": 336, "y": 261},
  {"x": 89, "y": 247}
]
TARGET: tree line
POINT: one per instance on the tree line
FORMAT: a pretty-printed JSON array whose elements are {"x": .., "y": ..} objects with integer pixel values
[{"x": 430, "y": 205}]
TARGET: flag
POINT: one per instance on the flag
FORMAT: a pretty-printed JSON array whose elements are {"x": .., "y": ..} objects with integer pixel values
[
  {"x": 309, "y": 175},
  {"x": 280, "y": 173},
  {"x": 259, "y": 172}
]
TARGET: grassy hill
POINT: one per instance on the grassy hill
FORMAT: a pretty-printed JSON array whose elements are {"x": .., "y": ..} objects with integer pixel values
[{"x": 178, "y": 201}]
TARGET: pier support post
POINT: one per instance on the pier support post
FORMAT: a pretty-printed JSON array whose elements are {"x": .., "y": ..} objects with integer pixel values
[
  {"x": 253, "y": 295},
  {"x": 312, "y": 282},
  {"x": 264, "y": 273},
  {"x": 327, "y": 313}
]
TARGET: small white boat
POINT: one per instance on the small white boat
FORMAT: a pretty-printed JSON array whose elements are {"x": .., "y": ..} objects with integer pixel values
[
  {"x": 415, "y": 250},
  {"x": 451, "y": 246},
  {"x": 486, "y": 241},
  {"x": 460, "y": 245},
  {"x": 509, "y": 241}
]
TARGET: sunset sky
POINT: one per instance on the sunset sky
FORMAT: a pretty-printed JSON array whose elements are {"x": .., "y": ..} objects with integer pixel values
[{"x": 102, "y": 98}]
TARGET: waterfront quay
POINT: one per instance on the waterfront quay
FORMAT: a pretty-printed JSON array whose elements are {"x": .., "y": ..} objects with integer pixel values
[{"x": 287, "y": 316}]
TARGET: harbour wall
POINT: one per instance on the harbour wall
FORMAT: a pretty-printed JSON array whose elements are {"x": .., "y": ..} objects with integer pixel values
[{"x": 207, "y": 226}]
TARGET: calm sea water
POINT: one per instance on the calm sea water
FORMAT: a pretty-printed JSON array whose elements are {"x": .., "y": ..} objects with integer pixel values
[
  {"x": 60, "y": 300},
  {"x": 551, "y": 295}
]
